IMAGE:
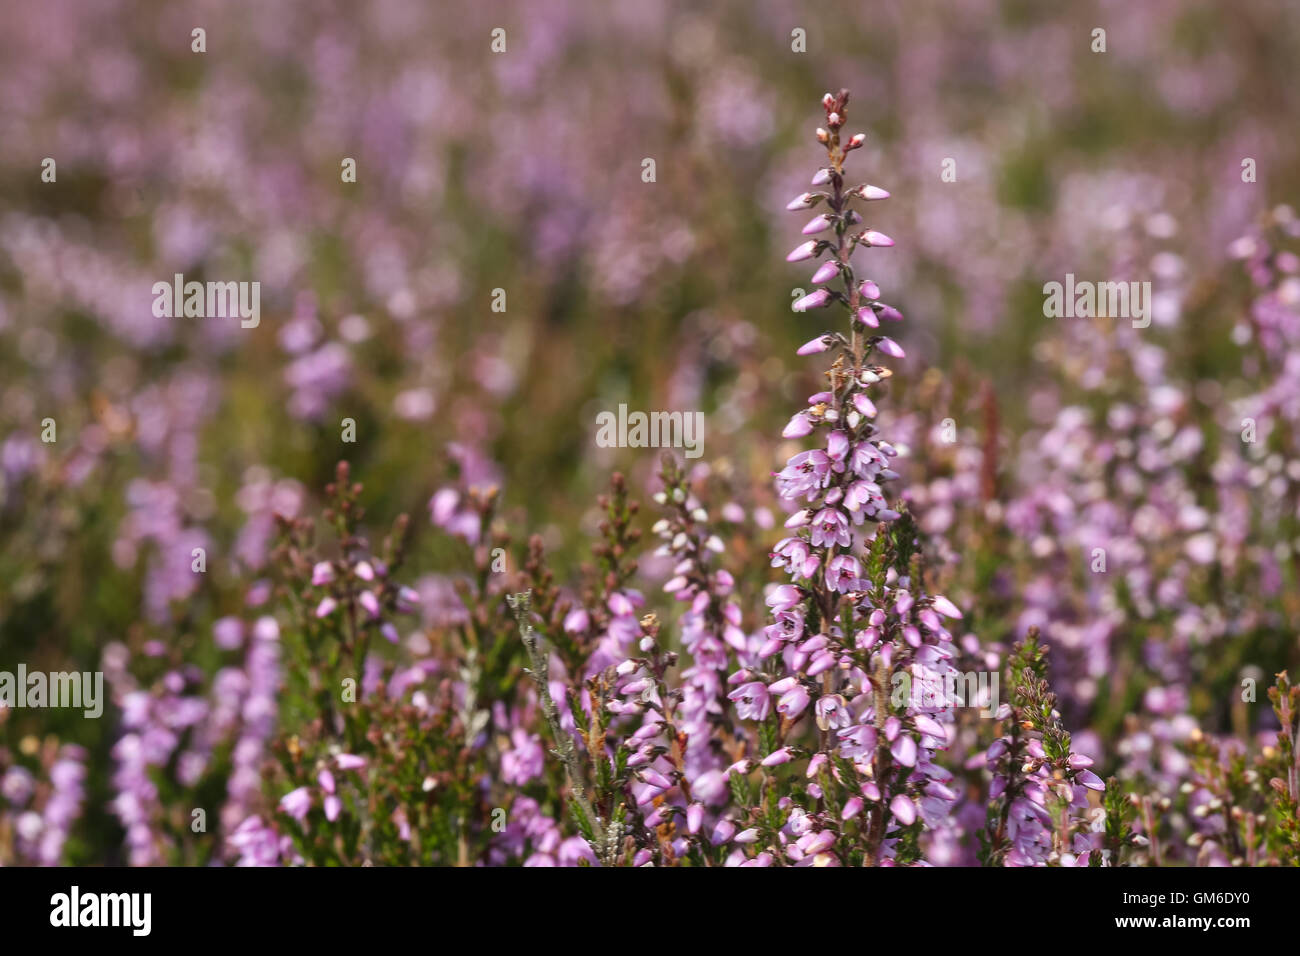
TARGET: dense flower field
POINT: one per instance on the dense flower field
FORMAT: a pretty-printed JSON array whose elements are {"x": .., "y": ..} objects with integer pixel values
[{"x": 564, "y": 434}]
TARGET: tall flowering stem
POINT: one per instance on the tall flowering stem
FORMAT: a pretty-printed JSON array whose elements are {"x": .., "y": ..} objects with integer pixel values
[
  {"x": 854, "y": 635},
  {"x": 1039, "y": 783}
]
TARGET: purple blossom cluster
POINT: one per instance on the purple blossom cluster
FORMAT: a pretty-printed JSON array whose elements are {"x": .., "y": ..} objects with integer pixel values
[{"x": 288, "y": 692}]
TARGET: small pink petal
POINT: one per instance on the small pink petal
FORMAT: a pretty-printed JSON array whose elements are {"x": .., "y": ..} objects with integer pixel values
[{"x": 904, "y": 809}]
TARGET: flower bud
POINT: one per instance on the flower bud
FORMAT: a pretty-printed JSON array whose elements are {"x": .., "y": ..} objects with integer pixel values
[
  {"x": 814, "y": 300},
  {"x": 827, "y": 271},
  {"x": 817, "y": 224},
  {"x": 805, "y": 251}
]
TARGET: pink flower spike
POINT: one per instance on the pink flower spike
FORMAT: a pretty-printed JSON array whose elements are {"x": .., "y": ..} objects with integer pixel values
[
  {"x": 873, "y": 238},
  {"x": 890, "y": 347}
]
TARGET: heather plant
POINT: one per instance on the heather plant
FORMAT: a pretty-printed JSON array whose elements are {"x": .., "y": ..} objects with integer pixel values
[
  {"x": 681, "y": 684},
  {"x": 1039, "y": 785}
]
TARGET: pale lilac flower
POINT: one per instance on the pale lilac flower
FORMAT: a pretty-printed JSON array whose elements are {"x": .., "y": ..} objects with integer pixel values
[{"x": 296, "y": 803}]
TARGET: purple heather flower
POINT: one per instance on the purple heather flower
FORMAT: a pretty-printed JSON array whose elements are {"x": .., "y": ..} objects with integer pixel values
[
  {"x": 832, "y": 712},
  {"x": 296, "y": 803},
  {"x": 525, "y": 761},
  {"x": 844, "y": 573},
  {"x": 814, "y": 300},
  {"x": 890, "y": 347},
  {"x": 830, "y": 527},
  {"x": 945, "y": 607},
  {"x": 1090, "y": 780},
  {"x": 577, "y": 621},
  {"x": 903, "y": 809},
  {"x": 837, "y": 448},
  {"x": 873, "y": 238},
  {"x": 858, "y": 741},
  {"x": 783, "y": 597},
  {"x": 827, "y": 271},
  {"x": 871, "y": 192},
  {"x": 752, "y": 701},
  {"x": 817, "y": 224},
  {"x": 804, "y": 251},
  {"x": 778, "y": 757},
  {"x": 811, "y": 347},
  {"x": 864, "y": 404},
  {"x": 792, "y": 702}
]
